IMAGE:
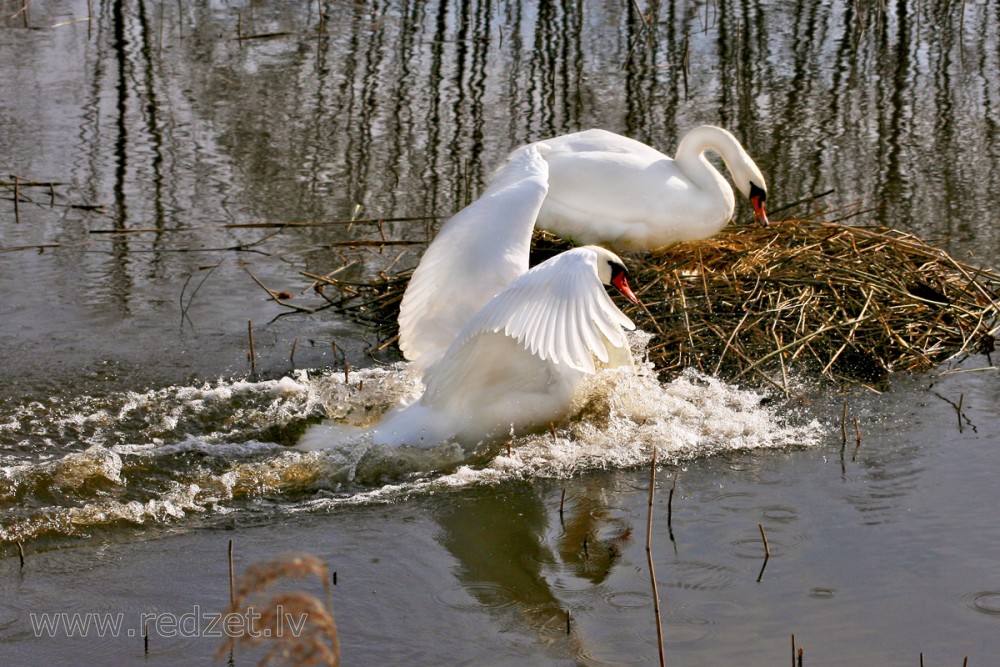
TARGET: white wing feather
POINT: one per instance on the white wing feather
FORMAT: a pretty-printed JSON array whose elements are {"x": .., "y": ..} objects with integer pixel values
[
  {"x": 559, "y": 311},
  {"x": 476, "y": 254}
]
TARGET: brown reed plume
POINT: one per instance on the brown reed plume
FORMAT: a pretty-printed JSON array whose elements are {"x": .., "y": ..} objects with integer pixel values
[{"x": 298, "y": 628}]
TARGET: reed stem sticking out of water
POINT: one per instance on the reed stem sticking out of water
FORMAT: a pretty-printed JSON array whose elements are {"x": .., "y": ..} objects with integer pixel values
[
  {"x": 17, "y": 197},
  {"x": 767, "y": 553},
  {"x": 20, "y": 552},
  {"x": 961, "y": 399},
  {"x": 763, "y": 536},
  {"x": 670, "y": 506},
  {"x": 649, "y": 557},
  {"x": 253, "y": 353},
  {"x": 843, "y": 425},
  {"x": 232, "y": 578}
]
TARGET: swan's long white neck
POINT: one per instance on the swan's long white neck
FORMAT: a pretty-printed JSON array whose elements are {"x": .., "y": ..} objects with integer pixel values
[{"x": 691, "y": 160}]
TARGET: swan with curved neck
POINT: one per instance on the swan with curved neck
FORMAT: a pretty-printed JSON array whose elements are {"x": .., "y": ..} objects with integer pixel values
[
  {"x": 607, "y": 189},
  {"x": 517, "y": 364}
]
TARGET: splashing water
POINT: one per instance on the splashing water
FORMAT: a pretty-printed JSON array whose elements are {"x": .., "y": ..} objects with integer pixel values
[{"x": 158, "y": 457}]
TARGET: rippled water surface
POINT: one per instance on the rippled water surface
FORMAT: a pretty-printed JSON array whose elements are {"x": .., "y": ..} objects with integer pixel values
[{"x": 158, "y": 148}]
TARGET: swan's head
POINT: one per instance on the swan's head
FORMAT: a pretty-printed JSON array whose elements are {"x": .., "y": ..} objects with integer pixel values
[
  {"x": 751, "y": 183},
  {"x": 611, "y": 270}
]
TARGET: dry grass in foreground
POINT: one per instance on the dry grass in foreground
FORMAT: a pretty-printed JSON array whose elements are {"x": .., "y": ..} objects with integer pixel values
[{"x": 297, "y": 628}]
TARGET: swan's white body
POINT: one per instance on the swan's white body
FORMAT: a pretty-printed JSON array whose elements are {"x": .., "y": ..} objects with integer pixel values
[
  {"x": 517, "y": 363},
  {"x": 607, "y": 189}
]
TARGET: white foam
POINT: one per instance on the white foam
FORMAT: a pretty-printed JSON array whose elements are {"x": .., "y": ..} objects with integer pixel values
[
  {"x": 621, "y": 415},
  {"x": 205, "y": 440}
]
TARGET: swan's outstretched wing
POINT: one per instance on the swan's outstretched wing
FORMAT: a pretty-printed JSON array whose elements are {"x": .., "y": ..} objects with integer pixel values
[
  {"x": 476, "y": 254},
  {"x": 559, "y": 312}
]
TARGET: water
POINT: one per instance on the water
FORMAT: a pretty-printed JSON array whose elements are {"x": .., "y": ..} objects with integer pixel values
[{"x": 135, "y": 442}]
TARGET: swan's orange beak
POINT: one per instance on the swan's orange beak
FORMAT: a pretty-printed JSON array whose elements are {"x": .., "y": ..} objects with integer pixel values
[
  {"x": 758, "y": 211},
  {"x": 757, "y": 197},
  {"x": 620, "y": 281}
]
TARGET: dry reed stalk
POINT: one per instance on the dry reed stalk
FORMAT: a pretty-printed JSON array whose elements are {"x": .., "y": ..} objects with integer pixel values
[
  {"x": 649, "y": 557},
  {"x": 253, "y": 354},
  {"x": 232, "y": 580},
  {"x": 843, "y": 425},
  {"x": 763, "y": 536},
  {"x": 17, "y": 197},
  {"x": 961, "y": 399}
]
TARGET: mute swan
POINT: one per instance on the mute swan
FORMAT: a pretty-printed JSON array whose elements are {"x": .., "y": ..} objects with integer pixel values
[
  {"x": 516, "y": 364},
  {"x": 476, "y": 254},
  {"x": 608, "y": 189}
]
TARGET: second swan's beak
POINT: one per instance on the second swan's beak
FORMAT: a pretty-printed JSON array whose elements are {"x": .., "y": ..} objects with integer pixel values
[{"x": 757, "y": 198}]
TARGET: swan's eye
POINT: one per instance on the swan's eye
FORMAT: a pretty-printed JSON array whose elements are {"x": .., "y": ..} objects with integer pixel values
[{"x": 757, "y": 192}]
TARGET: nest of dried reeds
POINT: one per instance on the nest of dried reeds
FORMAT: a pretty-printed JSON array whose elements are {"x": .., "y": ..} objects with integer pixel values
[{"x": 754, "y": 303}]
